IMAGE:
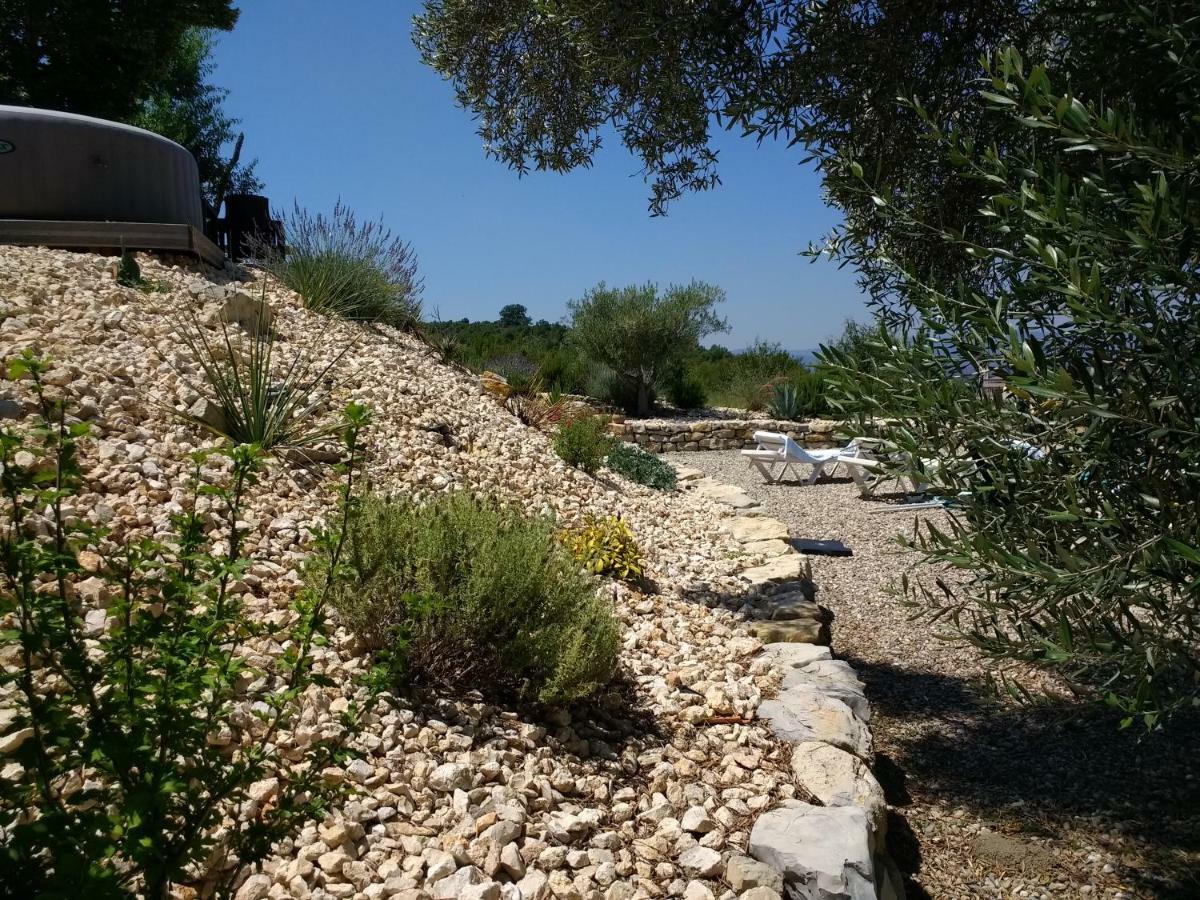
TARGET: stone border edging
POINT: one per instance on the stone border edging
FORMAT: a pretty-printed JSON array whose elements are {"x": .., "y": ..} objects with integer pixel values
[
  {"x": 668, "y": 435},
  {"x": 833, "y": 849}
]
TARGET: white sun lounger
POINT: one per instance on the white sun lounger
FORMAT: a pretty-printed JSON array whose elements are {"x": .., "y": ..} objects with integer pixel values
[{"x": 778, "y": 451}]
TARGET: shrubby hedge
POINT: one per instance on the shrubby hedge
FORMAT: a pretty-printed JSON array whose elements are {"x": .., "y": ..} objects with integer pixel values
[{"x": 471, "y": 594}]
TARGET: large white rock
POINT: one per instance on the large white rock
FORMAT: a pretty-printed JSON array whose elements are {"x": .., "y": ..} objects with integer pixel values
[
  {"x": 799, "y": 714},
  {"x": 838, "y": 778},
  {"x": 724, "y": 493},
  {"x": 793, "y": 656},
  {"x": 449, "y": 776},
  {"x": 454, "y": 886},
  {"x": 823, "y": 852},
  {"x": 775, "y": 571},
  {"x": 834, "y": 678},
  {"x": 700, "y": 862}
]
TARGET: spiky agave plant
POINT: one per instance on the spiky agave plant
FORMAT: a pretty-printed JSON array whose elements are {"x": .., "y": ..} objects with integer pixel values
[{"x": 257, "y": 406}]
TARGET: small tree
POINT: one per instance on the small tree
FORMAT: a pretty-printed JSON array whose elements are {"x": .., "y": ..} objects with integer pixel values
[
  {"x": 97, "y": 59},
  {"x": 514, "y": 315},
  {"x": 641, "y": 335}
]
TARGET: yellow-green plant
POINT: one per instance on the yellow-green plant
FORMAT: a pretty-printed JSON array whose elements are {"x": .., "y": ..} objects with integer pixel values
[{"x": 606, "y": 547}]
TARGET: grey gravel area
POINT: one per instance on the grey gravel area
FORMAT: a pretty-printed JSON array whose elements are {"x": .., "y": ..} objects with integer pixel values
[{"x": 988, "y": 798}]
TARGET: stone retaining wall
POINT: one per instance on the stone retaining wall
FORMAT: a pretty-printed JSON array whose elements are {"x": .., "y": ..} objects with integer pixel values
[{"x": 667, "y": 435}]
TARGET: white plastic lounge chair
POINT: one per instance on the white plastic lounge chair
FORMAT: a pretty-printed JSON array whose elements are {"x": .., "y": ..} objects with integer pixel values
[{"x": 778, "y": 451}]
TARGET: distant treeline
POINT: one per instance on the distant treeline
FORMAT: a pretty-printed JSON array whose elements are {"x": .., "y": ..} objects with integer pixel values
[{"x": 519, "y": 349}]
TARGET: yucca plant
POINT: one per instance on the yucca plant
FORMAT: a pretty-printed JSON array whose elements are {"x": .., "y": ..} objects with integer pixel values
[{"x": 257, "y": 406}]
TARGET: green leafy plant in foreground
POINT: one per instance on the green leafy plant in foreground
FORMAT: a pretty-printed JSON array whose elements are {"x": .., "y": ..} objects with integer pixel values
[
  {"x": 645, "y": 468},
  {"x": 464, "y": 594},
  {"x": 140, "y": 726},
  {"x": 584, "y": 442}
]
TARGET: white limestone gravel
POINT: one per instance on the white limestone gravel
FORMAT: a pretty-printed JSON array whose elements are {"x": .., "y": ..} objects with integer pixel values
[
  {"x": 988, "y": 799},
  {"x": 452, "y": 796}
]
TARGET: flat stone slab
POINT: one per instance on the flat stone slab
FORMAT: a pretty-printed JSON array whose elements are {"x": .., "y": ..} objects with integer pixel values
[
  {"x": 775, "y": 571},
  {"x": 835, "y": 678},
  {"x": 790, "y": 655},
  {"x": 768, "y": 548},
  {"x": 798, "y": 604},
  {"x": 801, "y": 714},
  {"x": 798, "y": 632},
  {"x": 724, "y": 493},
  {"x": 823, "y": 851},
  {"x": 838, "y": 778},
  {"x": 761, "y": 528},
  {"x": 686, "y": 473}
]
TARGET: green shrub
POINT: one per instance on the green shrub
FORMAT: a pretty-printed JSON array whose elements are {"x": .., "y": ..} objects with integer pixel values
[
  {"x": 606, "y": 547},
  {"x": 645, "y": 468},
  {"x": 129, "y": 273},
  {"x": 642, "y": 335},
  {"x": 584, "y": 442},
  {"x": 565, "y": 370},
  {"x": 686, "y": 391},
  {"x": 799, "y": 398},
  {"x": 340, "y": 267},
  {"x": 130, "y": 695},
  {"x": 252, "y": 404},
  {"x": 745, "y": 392},
  {"x": 469, "y": 594}
]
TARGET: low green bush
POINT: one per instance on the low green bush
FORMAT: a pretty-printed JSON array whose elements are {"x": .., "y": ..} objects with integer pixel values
[
  {"x": 686, "y": 391},
  {"x": 341, "y": 267},
  {"x": 470, "y": 594},
  {"x": 645, "y": 468},
  {"x": 583, "y": 443},
  {"x": 746, "y": 392},
  {"x": 606, "y": 547}
]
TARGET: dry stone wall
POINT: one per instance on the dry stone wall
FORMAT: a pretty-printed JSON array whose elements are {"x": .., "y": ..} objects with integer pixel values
[{"x": 668, "y": 435}]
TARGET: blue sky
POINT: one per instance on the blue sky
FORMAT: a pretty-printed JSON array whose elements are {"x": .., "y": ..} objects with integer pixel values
[{"x": 335, "y": 103}]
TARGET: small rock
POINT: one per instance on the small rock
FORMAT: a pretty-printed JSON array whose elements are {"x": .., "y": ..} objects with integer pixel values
[
  {"x": 700, "y": 862},
  {"x": 697, "y": 821},
  {"x": 254, "y": 888},
  {"x": 449, "y": 777}
]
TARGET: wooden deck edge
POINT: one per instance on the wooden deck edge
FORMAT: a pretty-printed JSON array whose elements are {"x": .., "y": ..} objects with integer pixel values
[{"x": 111, "y": 236}]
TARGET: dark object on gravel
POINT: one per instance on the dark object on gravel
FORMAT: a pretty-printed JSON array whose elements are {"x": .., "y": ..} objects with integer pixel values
[{"x": 820, "y": 548}]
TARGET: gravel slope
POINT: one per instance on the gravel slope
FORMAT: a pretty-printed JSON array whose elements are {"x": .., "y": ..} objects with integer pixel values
[{"x": 988, "y": 799}]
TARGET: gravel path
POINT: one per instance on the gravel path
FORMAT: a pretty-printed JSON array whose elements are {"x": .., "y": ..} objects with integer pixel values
[{"x": 989, "y": 799}]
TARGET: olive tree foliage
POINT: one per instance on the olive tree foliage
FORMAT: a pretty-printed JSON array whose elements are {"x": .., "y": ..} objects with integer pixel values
[
  {"x": 96, "y": 58},
  {"x": 642, "y": 335},
  {"x": 1075, "y": 526},
  {"x": 548, "y": 82}
]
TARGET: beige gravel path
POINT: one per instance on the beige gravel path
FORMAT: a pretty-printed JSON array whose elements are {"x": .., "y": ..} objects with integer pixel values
[{"x": 989, "y": 799}]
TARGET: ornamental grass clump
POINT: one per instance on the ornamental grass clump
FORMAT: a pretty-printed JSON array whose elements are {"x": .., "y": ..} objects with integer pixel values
[
  {"x": 468, "y": 594},
  {"x": 342, "y": 267},
  {"x": 258, "y": 400},
  {"x": 645, "y": 468}
]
